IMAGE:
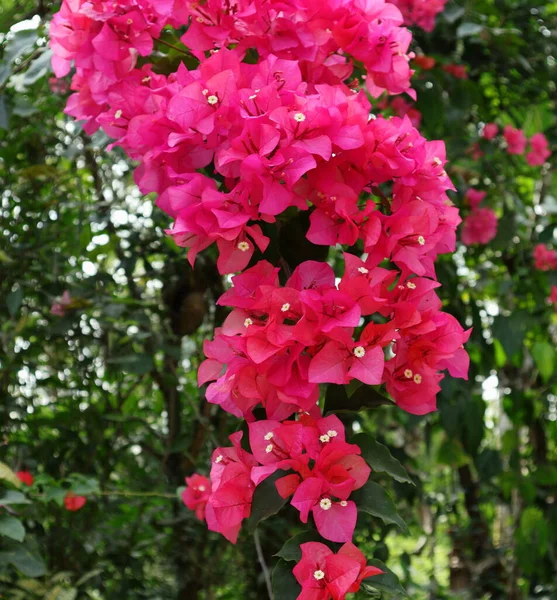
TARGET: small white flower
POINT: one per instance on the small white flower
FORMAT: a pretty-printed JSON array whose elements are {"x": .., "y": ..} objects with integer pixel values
[
  {"x": 285, "y": 307},
  {"x": 318, "y": 574},
  {"x": 269, "y": 436},
  {"x": 118, "y": 114},
  {"x": 421, "y": 240},
  {"x": 219, "y": 458},
  {"x": 437, "y": 161},
  {"x": 411, "y": 286},
  {"x": 417, "y": 378},
  {"x": 201, "y": 488},
  {"x": 248, "y": 322},
  {"x": 359, "y": 352},
  {"x": 332, "y": 433},
  {"x": 243, "y": 246},
  {"x": 269, "y": 448},
  {"x": 343, "y": 503},
  {"x": 325, "y": 503},
  {"x": 324, "y": 438},
  {"x": 299, "y": 117},
  {"x": 408, "y": 374},
  {"x": 212, "y": 100},
  {"x": 363, "y": 270}
]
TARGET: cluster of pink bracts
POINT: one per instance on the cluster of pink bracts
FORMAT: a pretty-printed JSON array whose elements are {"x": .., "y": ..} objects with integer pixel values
[
  {"x": 545, "y": 259},
  {"x": 272, "y": 118}
]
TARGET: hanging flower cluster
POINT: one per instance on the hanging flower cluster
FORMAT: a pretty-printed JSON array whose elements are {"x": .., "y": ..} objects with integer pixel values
[{"x": 272, "y": 114}]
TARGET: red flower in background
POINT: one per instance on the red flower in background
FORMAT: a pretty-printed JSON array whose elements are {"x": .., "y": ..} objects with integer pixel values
[
  {"x": 74, "y": 502},
  {"x": 25, "y": 477}
]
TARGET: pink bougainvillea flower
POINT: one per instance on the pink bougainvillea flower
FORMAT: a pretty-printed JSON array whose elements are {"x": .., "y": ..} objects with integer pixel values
[
  {"x": 73, "y": 502},
  {"x": 231, "y": 489},
  {"x": 196, "y": 494},
  {"x": 59, "y": 308},
  {"x": 325, "y": 575},
  {"x": 25, "y": 477},
  {"x": 539, "y": 151},
  {"x": 516, "y": 140},
  {"x": 490, "y": 130},
  {"x": 545, "y": 259},
  {"x": 474, "y": 197},
  {"x": 479, "y": 227}
]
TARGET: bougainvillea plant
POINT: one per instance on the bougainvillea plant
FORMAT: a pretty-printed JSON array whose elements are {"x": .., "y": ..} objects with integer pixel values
[{"x": 267, "y": 113}]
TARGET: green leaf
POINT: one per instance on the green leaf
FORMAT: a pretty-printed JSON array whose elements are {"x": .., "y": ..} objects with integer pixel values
[
  {"x": 4, "y": 121},
  {"x": 374, "y": 500},
  {"x": 84, "y": 485},
  {"x": 266, "y": 501},
  {"x": 19, "y": 43},
  {"x": 387, "y": 582},
  {"x": 291, "y": 549},
  {"x": 468, "y": 29},
  {"x": 11, "y": 497},
  {"x": 8, "y": 475},
  {"x": 13, "y": 301},
  {"x": 380, "y": 459},
  {"x": 544, "y": 357},
  {"x": 12, "y": 528},
  {"x": 337, "y": 398},
  {"x": 285, "y": 586},
  {"x": 55, "y": 493},
  {"x": 38, "y": 68},
  {"x": 27, "y": 561},
  {"x": 452, "y": 13}
]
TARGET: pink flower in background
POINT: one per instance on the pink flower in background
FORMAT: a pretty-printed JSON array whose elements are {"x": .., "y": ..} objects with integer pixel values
[
  {"x": 25, "y": 477},
  {"x": 474, "y": 197},
  {"x": 539, "y": 151},
  {"x": 516, "y": 140},
  {"x": 490, "y": 131},
  {"x": 59, "y": 308},
  {"x": 420, "y": 12},
  {"x": 552, "y": 299},
  {"x": 401, "y": 108},
  {"x": 479, "y": 227},
  {"x": 325, "y": 575},
  {"x": 196, "y": 494},
  {"x": 545, "y": 259}
]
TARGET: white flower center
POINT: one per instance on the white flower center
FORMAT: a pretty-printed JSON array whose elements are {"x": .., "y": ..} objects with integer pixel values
[
  {"x": 219, "y": 458},
  {"x": 343, "y": 503},
  {"x": 212, "y": 100},
  {"x": 437, "y": 161},
  {"x": 324, "y": 438},
  {"x": 332, "y": 433},
  {"x": 318, "y": 574},
  {"x": 269, "y": 436},
  {"x": 201, "y": 488},
  {"x": 417, "y": 378},
  {"x": 243, "y": 246},
  {"x": 363, "y": 270},
  {"x": 248, "y": 322},
  {"x": 408, "y": 374},
  {"x": 285, "y": 307},
  {"x": 118, "y": 114},
  {"x": 411, "y": 286},
  {"x": 269, "y": 448},
  {"x": 325, "y": 503},
  {"x": 359, "y": 352},
  {"x": 299, "y": 117},
  {"x": 421, "y": 240}
]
